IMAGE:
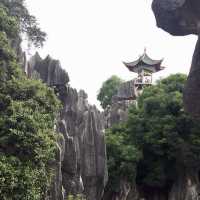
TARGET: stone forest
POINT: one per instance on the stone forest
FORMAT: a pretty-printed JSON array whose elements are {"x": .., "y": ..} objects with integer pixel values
[{"x": 54, "y": 145}]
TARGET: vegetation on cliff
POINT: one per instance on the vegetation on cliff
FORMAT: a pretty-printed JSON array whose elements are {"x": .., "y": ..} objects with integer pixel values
[
  {"x": 27, "y": 23},
  {"x": 27, "y": 117},
  {"x": 108, "y": 90},
  {"x": 158, "y": 139}
]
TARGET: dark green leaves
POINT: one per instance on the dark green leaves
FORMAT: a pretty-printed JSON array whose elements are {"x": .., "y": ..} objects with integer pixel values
[
  {"x": 163, "y": 132},
  {"x": 27, "y": 23},
  {"x": 158, "y": 138},
  {"x": 108, "y": 89},
  {"x": 28, "y": 110},
  {"x": 122, "y": 156}
]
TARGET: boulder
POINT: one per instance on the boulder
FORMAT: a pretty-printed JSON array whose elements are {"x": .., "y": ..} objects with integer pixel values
[
  {"x": 178, "y": 17},
  {"x": 126, "y": 91},
  {"x": 118, "y": 111},
  {"x": 182, "y": 17}
]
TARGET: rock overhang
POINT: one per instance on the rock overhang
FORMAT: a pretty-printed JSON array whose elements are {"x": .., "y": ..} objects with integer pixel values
[{"x": 178, "y": 17}]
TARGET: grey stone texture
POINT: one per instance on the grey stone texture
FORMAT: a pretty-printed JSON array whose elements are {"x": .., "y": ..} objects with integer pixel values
[
  {"x": 81, "y": 159},
  {"x": 118, "y": 111},
  {"x": 178, "y": 17},
  {"x": 126, "y": 91},
  {"x": 182, "y": 17}
]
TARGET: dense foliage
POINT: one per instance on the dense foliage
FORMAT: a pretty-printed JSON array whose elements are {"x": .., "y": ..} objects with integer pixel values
[
  {"x": 122, "y": 156},
  {"x": 27, "y": 22},
  {"x": 27, "y": 117},
  {"x": 161, "y": 132},
  {"x": 108, "y": 89}
]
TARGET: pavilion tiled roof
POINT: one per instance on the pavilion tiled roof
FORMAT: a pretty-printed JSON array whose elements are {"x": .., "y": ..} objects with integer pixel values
[{"x": 144, "y": 60}]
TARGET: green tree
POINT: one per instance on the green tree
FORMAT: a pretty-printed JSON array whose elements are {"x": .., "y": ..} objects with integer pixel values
[
  {"x": 158, "y": 140},
  {"x": 108, "y": 89},
  {"x": 28, "y": 110},
  {"x": 122, "y": 157},
  {"x": 167, "y": 137},
  {"x": 27, "y": 23}
]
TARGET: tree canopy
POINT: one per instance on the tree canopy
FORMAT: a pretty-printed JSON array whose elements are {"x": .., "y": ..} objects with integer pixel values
[
  {"x": 161, "y": 135},
  {"x": 27, "y": 23},
  {"x": 122, "y": 156},
  {"x": 108, "y": 89}
]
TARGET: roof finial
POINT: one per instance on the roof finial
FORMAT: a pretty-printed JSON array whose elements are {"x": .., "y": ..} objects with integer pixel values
[{"x": 145, "y": 49}]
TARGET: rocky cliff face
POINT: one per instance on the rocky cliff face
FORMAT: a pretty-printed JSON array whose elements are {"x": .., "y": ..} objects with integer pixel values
[
  {"x": 81, "y": 158},
  {"x": 118, "y": 111},
  {"x": 182, "y": 17}
]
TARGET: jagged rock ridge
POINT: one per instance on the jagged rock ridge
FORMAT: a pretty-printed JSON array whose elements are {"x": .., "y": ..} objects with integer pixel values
[{"x": 81, "y": 160}]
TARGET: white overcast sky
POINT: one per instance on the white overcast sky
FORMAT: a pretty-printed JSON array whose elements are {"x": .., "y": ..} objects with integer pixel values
[{"x": 91, "y": 38}]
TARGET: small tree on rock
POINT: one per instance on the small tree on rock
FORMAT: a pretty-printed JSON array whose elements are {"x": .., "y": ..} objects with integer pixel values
[{"x": 108, "y": 89}]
